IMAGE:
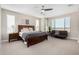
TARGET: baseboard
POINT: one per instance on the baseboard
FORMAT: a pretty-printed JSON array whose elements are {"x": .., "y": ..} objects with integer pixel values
[
  {"x": 75, "y": 38},
  {"x": 4, "y": 41}
]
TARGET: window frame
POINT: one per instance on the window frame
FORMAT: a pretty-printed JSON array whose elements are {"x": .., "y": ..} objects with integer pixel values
[{"x": 64, "y": 28}]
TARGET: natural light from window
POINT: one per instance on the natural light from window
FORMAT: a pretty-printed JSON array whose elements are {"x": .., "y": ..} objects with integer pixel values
[
  {"x": 61, "y": 24},
  {"x": 37, "y": 25},
  {"x": 10, "y": 23}
]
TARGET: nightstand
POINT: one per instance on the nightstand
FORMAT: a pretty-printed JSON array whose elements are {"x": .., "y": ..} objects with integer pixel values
[{"x": 13, "y": 36}]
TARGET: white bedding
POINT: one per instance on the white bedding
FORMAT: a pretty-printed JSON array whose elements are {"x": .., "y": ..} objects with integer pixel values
[{"x": 20, "y": 33}]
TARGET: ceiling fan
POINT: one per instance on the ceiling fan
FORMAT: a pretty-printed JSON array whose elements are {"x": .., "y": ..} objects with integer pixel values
[{"x": 45, "y": 9}]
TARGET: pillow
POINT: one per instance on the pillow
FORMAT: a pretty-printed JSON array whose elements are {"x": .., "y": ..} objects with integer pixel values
[
  {"x": 31, "y": 29},
  {"x": 25, "y": 30}
]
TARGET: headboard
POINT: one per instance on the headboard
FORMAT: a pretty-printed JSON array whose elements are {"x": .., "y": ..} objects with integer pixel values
[{"x": 25, "y": 26}]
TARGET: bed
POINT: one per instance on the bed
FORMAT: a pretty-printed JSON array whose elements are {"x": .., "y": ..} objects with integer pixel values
[{"x": 32, "y": 37}]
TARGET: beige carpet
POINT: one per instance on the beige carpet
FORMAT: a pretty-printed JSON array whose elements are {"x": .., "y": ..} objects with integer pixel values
[{"x": 52, "y": 46}]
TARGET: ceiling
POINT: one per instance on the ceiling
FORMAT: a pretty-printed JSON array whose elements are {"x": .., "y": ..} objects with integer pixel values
[{"x": 35, "y": 9}]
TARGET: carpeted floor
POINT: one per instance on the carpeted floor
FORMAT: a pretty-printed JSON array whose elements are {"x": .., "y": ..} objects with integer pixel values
[{"x": 52, "y": 46}]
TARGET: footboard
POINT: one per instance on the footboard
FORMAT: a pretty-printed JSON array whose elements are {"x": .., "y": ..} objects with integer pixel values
[{"x": 35, "y": 40}]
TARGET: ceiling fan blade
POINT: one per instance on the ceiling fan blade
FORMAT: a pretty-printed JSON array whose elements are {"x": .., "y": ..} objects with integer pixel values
[
  {"x": 48, "y": 9},
  {"x": 42, "y": 6}
]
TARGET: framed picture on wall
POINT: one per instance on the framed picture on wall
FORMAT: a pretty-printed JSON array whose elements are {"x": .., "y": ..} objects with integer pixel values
[{"x": 27, "y": 21}]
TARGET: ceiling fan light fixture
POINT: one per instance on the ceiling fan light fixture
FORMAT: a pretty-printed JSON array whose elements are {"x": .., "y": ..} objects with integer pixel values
[{"x": 42, "y": 11}]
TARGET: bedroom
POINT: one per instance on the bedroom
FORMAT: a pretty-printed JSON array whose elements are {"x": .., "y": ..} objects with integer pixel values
[{"x": 59, "y": 18}]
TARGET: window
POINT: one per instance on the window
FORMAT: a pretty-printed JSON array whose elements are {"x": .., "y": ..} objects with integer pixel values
[
  {"x": 53, "y": 24},
  {"x": 61, "y": 24},
  {"x": 67, "y": 24},
  {"x": 46, "y": 24},
  {"x": 10, "y": 23},
  {"x": 37, "y": 25}
]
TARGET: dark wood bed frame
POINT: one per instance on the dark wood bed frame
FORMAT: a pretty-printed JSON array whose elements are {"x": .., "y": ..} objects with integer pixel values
[{"x": 32, "y": 40}]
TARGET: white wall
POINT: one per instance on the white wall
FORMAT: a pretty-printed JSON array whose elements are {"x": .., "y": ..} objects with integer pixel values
[
  {"x": 74, "y": 23},
  {"x": 0, "y": 24},
  {"x": 74, "y": 26},
  {"x": 19, "y": 20}
]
